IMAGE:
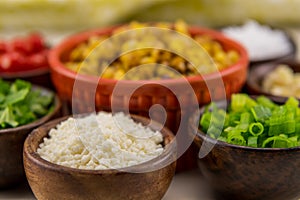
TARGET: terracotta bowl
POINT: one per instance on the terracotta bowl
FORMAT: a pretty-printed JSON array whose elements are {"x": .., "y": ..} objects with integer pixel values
[
  {"x": 11, "y": 147},
  {"x": 259, "y": 72},
  {"x": 237, "y": 172},
  {"x": 149, "y": 92},
  {"x": 52, "y": 181},
  {"x": 152, "y": 92}
]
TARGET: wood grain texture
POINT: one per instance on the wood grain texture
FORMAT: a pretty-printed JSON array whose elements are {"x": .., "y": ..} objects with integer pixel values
[{"x": 50, "y": 181}]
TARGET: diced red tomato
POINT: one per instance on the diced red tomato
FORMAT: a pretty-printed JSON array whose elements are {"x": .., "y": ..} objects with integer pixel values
[
  {"x": 21, "y": 54},
  {"x": 13, "y": 61},
  {"x": 19, "y": 45},
  {"x": 36, "y": 41},
  {"x": 38, "y": 59},
  {"x": 2, "y": 47}
]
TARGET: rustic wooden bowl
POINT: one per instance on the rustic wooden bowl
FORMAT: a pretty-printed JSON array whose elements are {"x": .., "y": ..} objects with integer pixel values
[
  {"x": 11, "y": 147},
  {"x": 52, "y": 181},
  {"x": 237, "y": 172},
  {"x": 39, "y": 76}
]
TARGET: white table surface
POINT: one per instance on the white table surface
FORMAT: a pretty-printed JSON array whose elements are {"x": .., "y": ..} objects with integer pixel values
[{"x": 185, "y": 186}]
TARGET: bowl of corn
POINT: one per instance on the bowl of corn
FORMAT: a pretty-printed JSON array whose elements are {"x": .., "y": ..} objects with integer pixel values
[{"x": 183, "y": 67}]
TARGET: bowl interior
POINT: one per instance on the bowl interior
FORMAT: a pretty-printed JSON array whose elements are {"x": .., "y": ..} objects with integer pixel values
[{"x": 61, "y": 53}]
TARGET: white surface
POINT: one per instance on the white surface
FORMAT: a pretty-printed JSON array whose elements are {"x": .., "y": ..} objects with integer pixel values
[{"x": 185, "y": 186}]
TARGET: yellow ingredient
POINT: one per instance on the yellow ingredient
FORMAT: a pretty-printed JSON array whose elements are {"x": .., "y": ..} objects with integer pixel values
[{"x": 97, "y": 61}]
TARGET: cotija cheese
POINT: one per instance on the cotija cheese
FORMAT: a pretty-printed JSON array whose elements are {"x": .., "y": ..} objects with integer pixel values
[{"x": 100, "y": 141}]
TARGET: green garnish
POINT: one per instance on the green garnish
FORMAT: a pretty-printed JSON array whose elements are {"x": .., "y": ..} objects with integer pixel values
[
  {"x": 254, "y": 122},
  {"x": 20, "y": 104}
]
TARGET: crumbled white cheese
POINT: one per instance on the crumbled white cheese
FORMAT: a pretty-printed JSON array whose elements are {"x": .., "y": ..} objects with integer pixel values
[
  {"x": 261, "y": 41},
  {"x": 101, "y": 141}
]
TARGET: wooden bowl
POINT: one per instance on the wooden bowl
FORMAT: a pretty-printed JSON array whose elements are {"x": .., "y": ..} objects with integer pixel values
[
  {"x": 238, "y": 172},
  {"x": 259, "y": 72},
  {"x": 52, "y": 181},
  {"x": 11, "y": 147},
  {"x": 39, "y": 76}
]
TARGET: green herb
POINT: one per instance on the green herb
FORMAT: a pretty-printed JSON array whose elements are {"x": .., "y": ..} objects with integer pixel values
[
  {"x": 254, "y": 122},
  {"x": 20, "y": 104}
]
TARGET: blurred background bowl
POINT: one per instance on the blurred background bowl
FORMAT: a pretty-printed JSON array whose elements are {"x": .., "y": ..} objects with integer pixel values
[
  {"x": 264, "y": 43},
  {"x": 284, "y": 57},
  {"x": 257, "y": 74},
  {"x": 39, "y": 76},
  {"x": 63, "y": 78},
  {"x": 146, "y": 93},
  {"x": 24, "y": 56},
  {"x": 236, "y": 172},
  {"x": 52, "y": 181},
  {"x": 11, "y": 146}
]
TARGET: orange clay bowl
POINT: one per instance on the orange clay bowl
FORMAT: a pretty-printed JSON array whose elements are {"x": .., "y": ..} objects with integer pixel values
[
  {"x": 150, "y": 92},
  {"x": 11, "y": 146},
  {"x": 51, "y": 181}
]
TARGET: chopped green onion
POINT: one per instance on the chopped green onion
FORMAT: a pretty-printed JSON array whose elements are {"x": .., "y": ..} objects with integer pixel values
[
  {"x": 235, "y": 137},
  {"x": 252, "y": 141},
  {"x": 256, "y": 128},
  {"x": 261, "y": 113},
  {"x": 265, "y": 102},
  {"x": 292, "y": 101},
  {"x": 254, "y": 122},
  {"x": 205, "y": 121},
  {"x": 282, "y": 123},
  {"x": 240, "y": 102}
]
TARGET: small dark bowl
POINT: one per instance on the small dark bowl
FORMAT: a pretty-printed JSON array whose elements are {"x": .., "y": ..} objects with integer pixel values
[
  {"x": 237, "y": 172},
  {"x": 257, "y": 74},
  {"x": 39, "y": 76},
  {"x": 51, "y": 181},
  {"x": 11, "y": 146}
]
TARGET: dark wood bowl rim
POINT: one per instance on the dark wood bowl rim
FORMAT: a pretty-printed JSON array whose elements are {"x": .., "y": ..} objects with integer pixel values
[{"x": 26, "y": 73}]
